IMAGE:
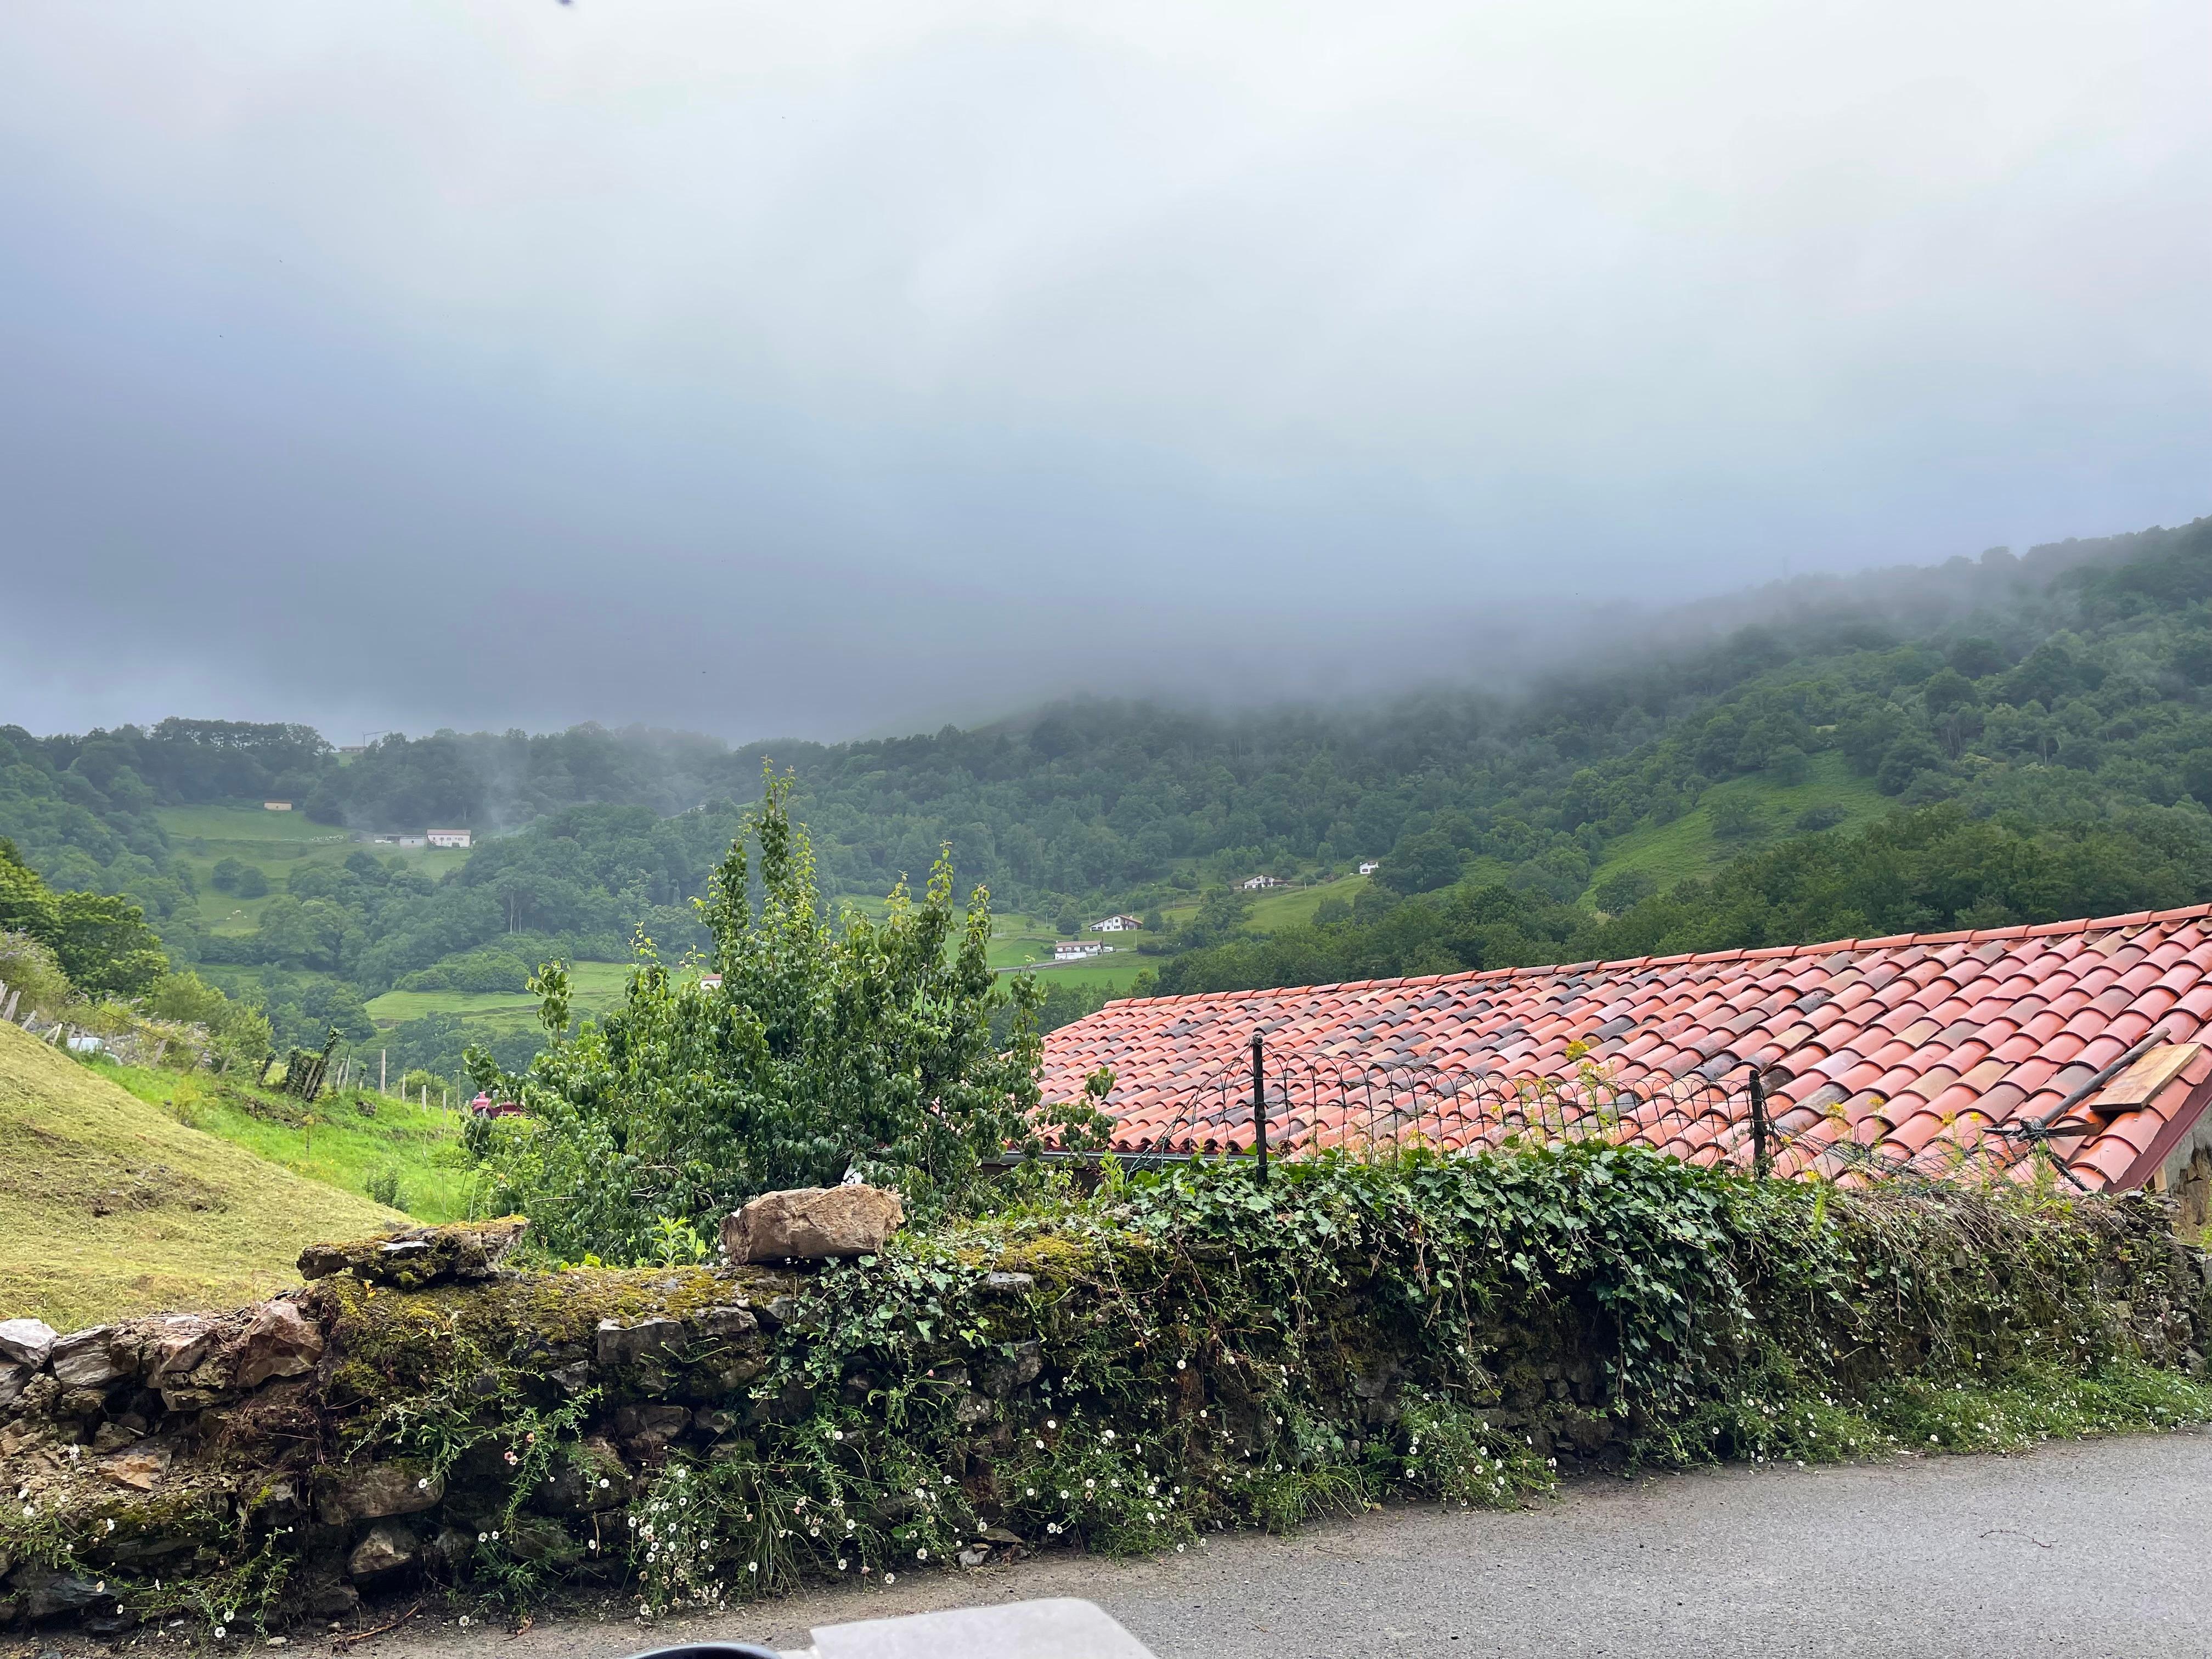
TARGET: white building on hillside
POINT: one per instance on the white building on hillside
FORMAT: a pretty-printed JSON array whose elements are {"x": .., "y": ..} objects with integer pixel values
[
  {"x": 447, "y": 837},
  {"x": 1118, "y": 925},
  {"x": 1253, "y": 884},
  {"x": 1369, "y": 866},
  {"x": 1074, "y": 949}
]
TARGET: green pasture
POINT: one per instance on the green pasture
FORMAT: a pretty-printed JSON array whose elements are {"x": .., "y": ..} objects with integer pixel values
[
  {"x": 593, "y": 987},
  {"x": 242, "y": 822},
  {"x": 1670, "y": 852},
  {"x": 1274, "y": 910},
  {"x": 344, "y": 1140},
  {"x": 200, "y": 837},
  {"x": 1113, "y": 972}
]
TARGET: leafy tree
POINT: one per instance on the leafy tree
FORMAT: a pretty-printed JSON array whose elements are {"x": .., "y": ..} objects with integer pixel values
[
  {"x": 232, "y": 875},
  {"x": 105, "y": 946},
  {"x": 860, "y": 1045},
  {"x": 27, "y": 904},
  {"x": 1420, "y": 863},
  {"x": 1734, "y": 817},
  {"x": 101, "y": 941},
  {"x": 1617, "y": 892}
]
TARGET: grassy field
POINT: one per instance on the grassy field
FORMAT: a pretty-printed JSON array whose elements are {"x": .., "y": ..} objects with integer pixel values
[
  {"x": 594, "y": 985},
  {"x": 276, "y": 843},
  {"x": 109, "y": 1206},
  {"x": 345, "y": 1140},
  {"x": 1670, "y": 852},
  {"x": 1271, "y": 912}
]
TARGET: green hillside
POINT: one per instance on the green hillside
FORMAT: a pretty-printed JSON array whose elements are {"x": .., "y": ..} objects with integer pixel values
[
  {"x": 276, "y": 843},
  {"x": 1691, "y": 846},
  {"x": 110, "y": 1207}
]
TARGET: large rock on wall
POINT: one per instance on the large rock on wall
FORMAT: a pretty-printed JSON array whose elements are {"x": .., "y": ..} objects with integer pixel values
[{"x": 812, "y": 1223}]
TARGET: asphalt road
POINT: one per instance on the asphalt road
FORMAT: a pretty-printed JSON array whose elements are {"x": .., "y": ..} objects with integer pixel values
[{"x": 2089, "y": 1548}]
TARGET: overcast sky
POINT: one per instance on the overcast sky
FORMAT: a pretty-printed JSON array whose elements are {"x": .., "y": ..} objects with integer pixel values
[{"x": 815, "y": 369}]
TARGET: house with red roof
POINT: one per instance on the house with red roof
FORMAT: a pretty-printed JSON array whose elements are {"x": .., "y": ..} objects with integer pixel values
[{"x": 2072, "y": 1051}]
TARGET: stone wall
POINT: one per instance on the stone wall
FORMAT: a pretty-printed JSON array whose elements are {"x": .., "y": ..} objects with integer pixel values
[{"x": 421, "y": 1413}]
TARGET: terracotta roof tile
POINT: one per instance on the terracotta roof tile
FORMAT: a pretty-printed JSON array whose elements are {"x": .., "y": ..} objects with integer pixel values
[{"x": 1924, "y": 1041}]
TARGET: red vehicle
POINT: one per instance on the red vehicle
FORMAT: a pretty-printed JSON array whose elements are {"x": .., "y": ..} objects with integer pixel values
[{"x": 485, "y": 1106}]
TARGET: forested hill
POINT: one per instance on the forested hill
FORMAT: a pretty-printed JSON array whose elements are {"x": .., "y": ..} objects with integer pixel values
[{"x": 2059, "y": 695}]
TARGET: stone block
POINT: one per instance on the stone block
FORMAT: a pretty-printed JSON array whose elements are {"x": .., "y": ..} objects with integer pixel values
[
  {"x": 281, "y": 1341},
  {"x": 1003, "y": 1375},
  {"x": 138, "y": 1471},
  {"x": 26, "y": 1341},
  {"x": 380, "y": 1490},
  {"x": 89, "y": 1360},
  {"x": 384, "y": 1548},
  {"x": 625, "y": 1345},
  {"x": 812, "y": 1223},
  {"x": 648, "y": 1428}
]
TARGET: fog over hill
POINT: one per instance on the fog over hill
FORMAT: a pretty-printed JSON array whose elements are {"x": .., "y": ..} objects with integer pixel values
[{"x": 766, "y": 372}]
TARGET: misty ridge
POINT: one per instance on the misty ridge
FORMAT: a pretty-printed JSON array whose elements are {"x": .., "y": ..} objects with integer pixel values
[{"x": 1515, "y": 674}]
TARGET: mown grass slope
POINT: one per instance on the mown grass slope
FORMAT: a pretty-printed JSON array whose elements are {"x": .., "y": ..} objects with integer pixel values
[
  {"x": 108, "y": 1206},
  {"x": 353, "y": 1139}
]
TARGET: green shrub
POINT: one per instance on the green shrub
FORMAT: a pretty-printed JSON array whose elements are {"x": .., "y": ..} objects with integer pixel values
[{"x": 866, "y": 1045}]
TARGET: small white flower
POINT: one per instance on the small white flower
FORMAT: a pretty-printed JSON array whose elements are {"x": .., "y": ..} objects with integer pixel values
[
  {"x": 837, "y": 1434},
  {"x": 921, "y": 1555},
  {"x": 840, "y": 1564},
  {"x": 890, "y": 1577},
  {"x": 753, "y": 1566},
  {"x": 1052, "y": 1422},
  {"x": 485, "y": 1537}
]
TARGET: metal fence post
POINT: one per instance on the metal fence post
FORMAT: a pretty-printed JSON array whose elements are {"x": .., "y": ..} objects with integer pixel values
[
  {"x": 1260, "y": 1106},
  {"x": 1761, "y": 1160}
]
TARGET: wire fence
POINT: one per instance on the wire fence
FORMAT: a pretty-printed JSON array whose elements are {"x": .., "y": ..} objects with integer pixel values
[{"x": 1294, "y": 1106}]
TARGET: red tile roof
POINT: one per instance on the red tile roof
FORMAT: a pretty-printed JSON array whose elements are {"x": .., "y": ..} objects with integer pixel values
[{"x": 1914, "y": 1048}]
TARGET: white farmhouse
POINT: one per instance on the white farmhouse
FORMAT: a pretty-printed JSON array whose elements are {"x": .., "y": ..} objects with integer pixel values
[
  {"x": 1253, "y": 884},
  {"x": 447, "y": 837},
  {"x": 1074, "y": 949},
  {"x": 1118, "y": 925},
  {"x": 1369, "y": 866}
]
